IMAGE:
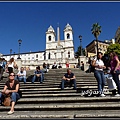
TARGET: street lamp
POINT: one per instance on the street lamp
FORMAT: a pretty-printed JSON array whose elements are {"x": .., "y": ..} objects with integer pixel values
[
  {"x": 81, "y": 53},
  {"x": 19, "y": 41},
  {"x": 10, "y": 52}
]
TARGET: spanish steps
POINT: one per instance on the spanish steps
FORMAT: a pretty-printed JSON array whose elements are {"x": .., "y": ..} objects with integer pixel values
[{"x": 47, "y": 100}]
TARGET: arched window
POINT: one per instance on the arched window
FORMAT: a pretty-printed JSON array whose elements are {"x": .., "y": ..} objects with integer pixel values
[
  {"x": 49, "y": 38},
  {"x": 68, "y": 54},
  {"x": 68, "y": 36}
]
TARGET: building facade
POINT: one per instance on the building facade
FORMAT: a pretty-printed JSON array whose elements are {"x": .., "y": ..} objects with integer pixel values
[
  {"x": 91, "y": 49},
  {"x": 57, "y": 50}
]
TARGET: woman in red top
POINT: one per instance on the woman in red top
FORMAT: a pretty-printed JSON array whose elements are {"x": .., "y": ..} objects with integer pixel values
[{"x": 67, "y": 64}]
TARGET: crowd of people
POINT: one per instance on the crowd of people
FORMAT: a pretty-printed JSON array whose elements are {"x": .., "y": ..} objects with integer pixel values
[{"x": 12, "y": 85}]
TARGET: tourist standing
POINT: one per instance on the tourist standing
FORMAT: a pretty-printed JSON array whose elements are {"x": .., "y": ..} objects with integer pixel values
[
  {"x": 99, "y": 74},
  {"x": 115, "y": 70}
]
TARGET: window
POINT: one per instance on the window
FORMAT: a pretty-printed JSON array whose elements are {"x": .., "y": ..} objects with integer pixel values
[
  {"x": 44, "y": 55},
  {"x": 49, "y": 55},
  {"x": 49, "y": 38},
  {"x": 68, "y": 54},
  {"x": 55, "y": 55},
  {"x": 68, "y": 36},
  {"x": 37, "y": 56}
]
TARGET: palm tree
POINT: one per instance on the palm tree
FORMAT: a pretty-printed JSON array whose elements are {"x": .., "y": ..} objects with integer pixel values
[{"x": 96, "y": 30}]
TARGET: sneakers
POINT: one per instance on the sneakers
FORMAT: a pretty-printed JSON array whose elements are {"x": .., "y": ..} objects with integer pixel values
[
  {"x": 102, "y": 95},
  {"x": 10, "y": 112},
  {"x": 117, "y": 95}
]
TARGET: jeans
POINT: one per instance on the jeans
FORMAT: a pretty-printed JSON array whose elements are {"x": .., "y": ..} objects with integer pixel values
[
  {"x": 71, "y": 82},
  {"x": 116, "y": 79},
  {"x": 41, "y": 78},
  {"x": 100, "y": 77},
  {"x": 21, "y": 78},
  {"x": 1, "y": 72},
  {"x": 14, "y": 97}
]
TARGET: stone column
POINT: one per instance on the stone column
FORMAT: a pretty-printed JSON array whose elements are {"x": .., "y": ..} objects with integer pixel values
[
  {"x": 19, "y": 63},
  {"x": 84, "y": 59}
]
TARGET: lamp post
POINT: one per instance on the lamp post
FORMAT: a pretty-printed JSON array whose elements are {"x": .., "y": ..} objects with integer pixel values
[
  {"x": 10, "y": 52},
  {"x": 81, "y": 53},
  {"x": 19, "y": 41}
]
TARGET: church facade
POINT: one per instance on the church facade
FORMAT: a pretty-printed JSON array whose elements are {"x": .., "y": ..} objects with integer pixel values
[{"x": 57, "y": 50}]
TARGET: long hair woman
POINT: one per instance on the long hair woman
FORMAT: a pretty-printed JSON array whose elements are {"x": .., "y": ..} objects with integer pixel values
[
  {"x": 11, "y": 64},
  {"x": 115, "y": 67},
  {"x": 11, "y": 87},
  {"x": 99, "y": 74}
]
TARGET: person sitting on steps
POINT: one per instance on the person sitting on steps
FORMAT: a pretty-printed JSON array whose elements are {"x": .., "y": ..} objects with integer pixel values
[
  {"x": 38, "y": 74},
  {"x": 69, "y": 78},
  {"x": 11, "y": 87},
  {"x": 21, "y": 75},
  {"x": 54, "y": 66}
]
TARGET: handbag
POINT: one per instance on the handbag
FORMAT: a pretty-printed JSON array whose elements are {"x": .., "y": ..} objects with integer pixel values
[
  {"x": 7, "y": 100},
  {"x": 111, "y": 83}
]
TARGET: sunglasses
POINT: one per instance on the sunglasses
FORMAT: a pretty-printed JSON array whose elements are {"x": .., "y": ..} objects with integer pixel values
[{"x": 11, "y": 75}]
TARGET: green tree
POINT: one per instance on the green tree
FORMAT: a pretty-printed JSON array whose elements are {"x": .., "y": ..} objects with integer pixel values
[
  {"x": 96, "y": 30},
  {"x": 114, "y": 48},
  {"x": 78, "y": 52}
]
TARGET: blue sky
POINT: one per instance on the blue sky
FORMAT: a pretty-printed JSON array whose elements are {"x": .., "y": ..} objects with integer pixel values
[{"x": 30, "y": 20}]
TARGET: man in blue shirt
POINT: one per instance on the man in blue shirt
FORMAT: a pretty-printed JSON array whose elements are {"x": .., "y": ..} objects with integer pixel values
[
  {"x": 38, "y": 74},
  {"x": 69, "y": 78}
]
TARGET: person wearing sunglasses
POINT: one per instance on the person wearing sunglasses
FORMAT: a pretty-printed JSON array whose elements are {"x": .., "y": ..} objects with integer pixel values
[{"x": 11, "y": 87}]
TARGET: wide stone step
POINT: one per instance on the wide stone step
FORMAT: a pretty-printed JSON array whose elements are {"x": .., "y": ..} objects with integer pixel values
[
  {"x": 43, "y": 95},
  {"x": 65, "y": 106},
  {"x": 56, "y": 88},
  {"x": 49, "y": 95},
  {"x": 79, "y": 85},
  {"x": 49, "y": 91},
  {"x": 56, "y": 82},
  {"x": 74, "y": 99},
  {"x": 48, "y": 82},
  {"x": 75, "y": 114},
  {"x": 61, "y": 75}
]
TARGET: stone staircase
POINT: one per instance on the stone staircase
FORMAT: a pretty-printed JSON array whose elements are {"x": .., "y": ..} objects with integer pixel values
[{"x": 47, "y": 100}]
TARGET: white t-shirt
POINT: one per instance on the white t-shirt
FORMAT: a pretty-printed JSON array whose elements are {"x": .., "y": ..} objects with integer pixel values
[
  {"x": 11, "y": 64},
  {"x": 99, "y": 62},
  {"x": 23, "y": 73}
]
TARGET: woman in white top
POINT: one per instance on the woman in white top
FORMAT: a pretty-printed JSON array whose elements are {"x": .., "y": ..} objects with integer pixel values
[
  {"x": 99, "y": 74},
  {"x": 11, "y": 64}
]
